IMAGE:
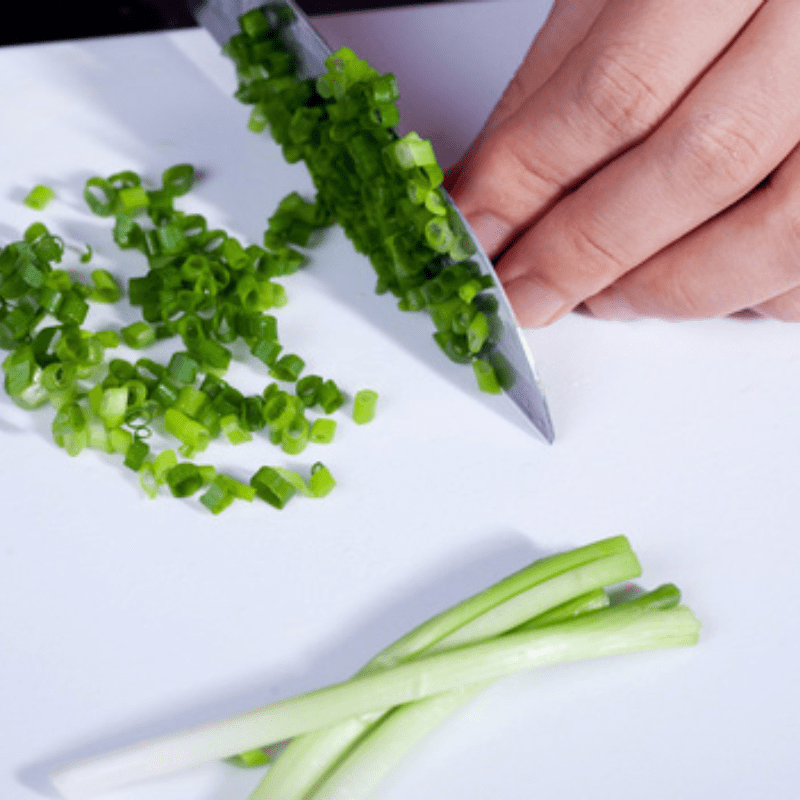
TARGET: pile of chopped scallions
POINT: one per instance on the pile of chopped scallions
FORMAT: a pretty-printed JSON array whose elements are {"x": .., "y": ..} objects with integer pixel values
[
  {"x": 347, "y": 736},
  {"x": 204, "y": 290},
  {"x": 384, "y": 190}
]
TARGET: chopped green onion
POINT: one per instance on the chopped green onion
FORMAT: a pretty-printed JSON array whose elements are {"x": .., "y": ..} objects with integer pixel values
[
  {"x": 70, "y": 429},
  {"x": 100, "y": 196},
  {"x": 120, "y": 440},
  {"x": 322, "y": 430},
  {"x": 233, "y": 430},
  {"x": 221, "y": 493},
  {"x": 330, "y": 397},
  {"x": 138, "y": 335},
  {"x": 295, "y": 436},
  {"x": 486, "y": 376},
  {"x": 287, "y": 368},
  {"x": 188, "y": 431},
  {"x": 178, "y": 180},
  {"x": 365, "y": 403},
  {"x": 105, "y": 289},
  {"x": 241, "y": 491},
  {"x": 147, "y": 480},
  {"x": 136, "y": 454},
  {"x": 132, "y": 199},
  {"x": 274, "y": 489},
  {"x": 183, "y": 367},
  {"x": 184, "y": 479},
  {"x": 107, "y": 339},
  {"x": 307, "y": 389},
  {"x": 321, "y": 482},
  {"x": 113, "y": 406},
  {"x": 38, "y": 197}
]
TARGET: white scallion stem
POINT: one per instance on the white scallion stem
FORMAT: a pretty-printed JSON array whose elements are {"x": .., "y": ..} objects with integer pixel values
[
  {"x": 389, "y": 742},
  {"x": 589, "y": 636},
  {"x": 379, "y": 750},
  {"x": 540, "y": 587}
]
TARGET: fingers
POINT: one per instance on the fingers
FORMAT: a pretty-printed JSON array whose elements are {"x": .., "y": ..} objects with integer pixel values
[
  {"x": 565, "y": 27},
  {"x": 611, "y": 90},
  {"x": 785, "y": 307},
  {"x": 747, "y": 258},
  {"x": 734, "y": 127}
]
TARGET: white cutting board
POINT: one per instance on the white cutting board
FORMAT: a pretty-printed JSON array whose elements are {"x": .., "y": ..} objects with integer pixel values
[{"x": 123, "y": 618}]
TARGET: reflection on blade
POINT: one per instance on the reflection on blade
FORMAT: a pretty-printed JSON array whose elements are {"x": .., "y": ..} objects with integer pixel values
[{"x": 507, "y": 350}]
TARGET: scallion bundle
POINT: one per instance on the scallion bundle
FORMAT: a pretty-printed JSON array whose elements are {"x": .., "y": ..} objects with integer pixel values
[{"x": 347, "y": 736}]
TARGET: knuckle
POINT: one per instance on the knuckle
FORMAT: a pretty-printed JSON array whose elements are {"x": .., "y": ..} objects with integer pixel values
[
  {"x": 525, "y": 175},
  {"x": 724, "y": 153},
  {"x": 595, "y": 262},
  {"x": 617, "y": 91},
  {"x": 679, "y": 294}
]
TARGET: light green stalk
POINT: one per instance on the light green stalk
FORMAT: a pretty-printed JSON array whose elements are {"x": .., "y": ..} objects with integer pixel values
[
  {"x": 389, "y": 741},
  {"x": 527, "y": 593}
]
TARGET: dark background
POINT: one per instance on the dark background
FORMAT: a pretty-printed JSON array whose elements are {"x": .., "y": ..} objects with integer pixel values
[{"x": 28, "y": 21}]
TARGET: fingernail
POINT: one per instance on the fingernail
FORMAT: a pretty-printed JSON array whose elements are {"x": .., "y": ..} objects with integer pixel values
[
  {"x": 536, "y": 305},
  {"x": 612, "y": 305},
  {"x": 491, "y": 232}
]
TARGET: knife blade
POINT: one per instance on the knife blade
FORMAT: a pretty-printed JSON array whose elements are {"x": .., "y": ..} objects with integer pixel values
[{"x": 508, "y": 350}]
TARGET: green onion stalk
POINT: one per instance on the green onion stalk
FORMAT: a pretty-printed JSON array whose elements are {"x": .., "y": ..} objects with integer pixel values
[{"x": 547, "y": 613}]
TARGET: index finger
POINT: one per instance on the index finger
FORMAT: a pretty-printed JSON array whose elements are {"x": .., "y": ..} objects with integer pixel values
[
  {"x": 611, "y": 91},
  {"x": 565, "y": 26}
]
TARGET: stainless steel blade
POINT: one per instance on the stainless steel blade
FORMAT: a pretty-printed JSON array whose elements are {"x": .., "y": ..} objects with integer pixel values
[{"x": 509, "y": 351}]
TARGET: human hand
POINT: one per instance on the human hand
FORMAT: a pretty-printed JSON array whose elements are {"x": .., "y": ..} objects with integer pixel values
[{"x": 645, "y": 161}]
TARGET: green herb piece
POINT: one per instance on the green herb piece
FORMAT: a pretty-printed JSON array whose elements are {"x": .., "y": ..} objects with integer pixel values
[
  {"x": 135, "y": 455},
  {"x": 322, "y": 430},
  {"x": 184, "y": 479},
  {"x": 330, "y": 397},
  {"x": 138, "y": 335},
  {"x": 321, "y": 482},
  {"x": 486, "y": 377},
  {"x": 287, "y": 368},
  {"x": 233, "y": 430},
  {"x": 272, "y": 487},
  {"x": 295, "y": 436},
  {"x": 38, "y": 197},
  {"x": 191, "y": 433},
  {"x": 365, "y": 403},
  {"x": 105, "y": 288}
]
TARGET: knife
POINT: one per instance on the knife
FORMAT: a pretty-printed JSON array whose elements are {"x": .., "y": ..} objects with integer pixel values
[{"x": 508, "y": 350}]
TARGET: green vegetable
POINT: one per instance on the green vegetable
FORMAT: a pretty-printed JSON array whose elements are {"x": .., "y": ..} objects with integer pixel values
[
  {"x": 390, "y": 738},
  {"x": 364, "y": 404},
  {"x": 203, "y": 289},
  {"x": 322, "y": 430},
  {"x": 138, "y": 335},
  {"x": 544, "y": 585},
  {"x": 38, "y": 197},
  {"x": 486, "y": 376},
  {"x": 420, "y": 688},
  {"x": 273, "y": 487},
  {"x": 105, "y": 287},
  {"x": 384, "y": 190}
]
